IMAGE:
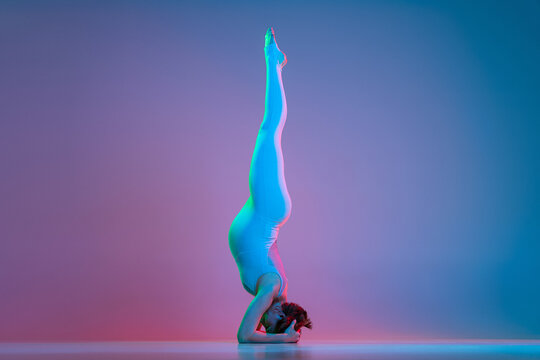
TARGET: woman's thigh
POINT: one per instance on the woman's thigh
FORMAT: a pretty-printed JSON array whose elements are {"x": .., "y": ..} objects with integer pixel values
[{"x": 268, "y": 189}]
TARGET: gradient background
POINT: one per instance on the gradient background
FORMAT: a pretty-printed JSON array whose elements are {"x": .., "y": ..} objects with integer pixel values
[{"x": 411, "y": 151}]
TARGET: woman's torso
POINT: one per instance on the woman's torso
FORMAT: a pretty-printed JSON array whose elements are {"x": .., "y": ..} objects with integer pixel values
[{"x": 253, "y": 244}]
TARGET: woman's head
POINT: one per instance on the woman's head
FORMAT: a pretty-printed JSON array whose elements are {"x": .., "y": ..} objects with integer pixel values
[
  {"x": 272, "y": 316},
  {"x": 280, "y": 315}
]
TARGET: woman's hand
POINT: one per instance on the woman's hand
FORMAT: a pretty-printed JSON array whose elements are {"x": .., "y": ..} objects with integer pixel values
[{"x": 292, "y": 334}]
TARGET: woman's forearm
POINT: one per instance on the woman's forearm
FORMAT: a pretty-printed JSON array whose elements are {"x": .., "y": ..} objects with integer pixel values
[{"x": 263, "y": 337}]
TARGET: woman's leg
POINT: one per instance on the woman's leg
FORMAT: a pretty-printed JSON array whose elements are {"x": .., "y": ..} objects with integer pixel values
[{"x": 267, "y": 185}]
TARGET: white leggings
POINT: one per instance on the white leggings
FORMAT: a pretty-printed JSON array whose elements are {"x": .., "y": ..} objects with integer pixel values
[{"x": 267, "y": 186}]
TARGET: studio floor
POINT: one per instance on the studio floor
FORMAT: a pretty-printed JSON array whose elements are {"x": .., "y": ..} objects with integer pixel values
[{"x": 303, "y": 350}]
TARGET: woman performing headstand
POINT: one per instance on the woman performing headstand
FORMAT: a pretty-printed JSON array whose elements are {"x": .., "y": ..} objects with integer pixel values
[{"x": 253, "y": 232}]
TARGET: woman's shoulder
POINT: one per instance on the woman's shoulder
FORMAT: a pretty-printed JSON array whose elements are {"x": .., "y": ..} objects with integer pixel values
[{"x": 269, "y": 282}]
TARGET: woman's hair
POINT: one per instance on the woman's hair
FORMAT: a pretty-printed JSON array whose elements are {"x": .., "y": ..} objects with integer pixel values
[{"x": 292, "y": 312}]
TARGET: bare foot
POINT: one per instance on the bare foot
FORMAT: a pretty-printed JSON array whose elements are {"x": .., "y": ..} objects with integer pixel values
[{"x": 272, "y": 52}]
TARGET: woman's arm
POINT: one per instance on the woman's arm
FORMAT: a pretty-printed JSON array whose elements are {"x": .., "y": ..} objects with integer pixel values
[
  {"x": 247, "y": 331},
  {"x": 262, "y": 337}
]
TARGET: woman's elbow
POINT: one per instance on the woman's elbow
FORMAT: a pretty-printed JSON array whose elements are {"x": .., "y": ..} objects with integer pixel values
[{"x": 242, "y": 338}]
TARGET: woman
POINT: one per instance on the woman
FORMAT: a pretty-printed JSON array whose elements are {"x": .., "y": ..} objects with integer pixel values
[{"x": 253, "y": 232}]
